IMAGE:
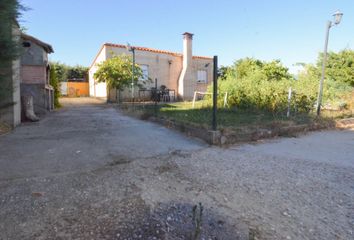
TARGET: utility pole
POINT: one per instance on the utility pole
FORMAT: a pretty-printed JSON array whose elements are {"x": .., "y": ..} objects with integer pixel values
[
  {"x": 133, "y": 69},
  {"x": 337, "y": 18},
  {"x": 320, "y": 90},
  {"x": 215, "y": 92},
  {"x": 132, "y": 49}
]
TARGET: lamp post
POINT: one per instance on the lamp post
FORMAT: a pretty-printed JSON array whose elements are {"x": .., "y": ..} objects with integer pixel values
[
  {"x": 337, "y": 18},
  {"x": 132, "y": 49}
]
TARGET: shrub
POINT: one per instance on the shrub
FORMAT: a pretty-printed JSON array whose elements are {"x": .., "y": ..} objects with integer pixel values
[
  {"x": 264, "y": 86},
  {"x": 56, "y": 85}
]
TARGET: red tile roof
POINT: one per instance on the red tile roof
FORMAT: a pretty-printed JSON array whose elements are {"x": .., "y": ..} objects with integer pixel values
[
  {"x": 145, "y": 49},
  {"x": 148, "y": 50}
]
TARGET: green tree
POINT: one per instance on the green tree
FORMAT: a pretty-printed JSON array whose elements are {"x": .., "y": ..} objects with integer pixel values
[
  {"x": 65, "y": 72},
  {"x": 78, "y": 72},
  {"x": 61, "y": 71},
  {"x": 224, "y": 71},
  {"x": 117, "y": 72},
  {"x": 10, "y": 10},
  {"x": 340, "y": 66},
  {"x": 274, "y": 70},
  {"x": 247, "y": 66}
]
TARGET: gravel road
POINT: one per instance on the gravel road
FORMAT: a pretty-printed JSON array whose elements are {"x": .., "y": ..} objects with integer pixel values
[{"x": 88, "y": 172}]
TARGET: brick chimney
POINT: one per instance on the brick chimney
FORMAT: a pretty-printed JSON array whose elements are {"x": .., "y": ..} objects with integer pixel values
[{"x": 187, "y": 63}]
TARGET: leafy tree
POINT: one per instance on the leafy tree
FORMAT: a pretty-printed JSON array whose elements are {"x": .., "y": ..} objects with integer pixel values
[
  {"x": 274, "y": 70},
  {"x": 254, "y": 68},
  {"x": 61, "y": 71},
  {"x": 65, "y": 72},
  {"x": 117, "y": 72},
  {"x": 247, "y": 66},
  {"x": 78, "y": 72},
  {"x": 223, "y": 72},
  {"x": 10, "y": 10},
  {"x": 340, "y": 66},
  {"x": 56, "y": 85}
]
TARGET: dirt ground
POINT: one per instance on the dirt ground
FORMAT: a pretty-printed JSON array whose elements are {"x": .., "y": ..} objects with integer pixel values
[{"x": 88, "y": 172}]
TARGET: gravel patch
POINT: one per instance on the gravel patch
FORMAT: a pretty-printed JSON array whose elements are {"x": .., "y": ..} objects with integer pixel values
[{"x": 95, "y": 185}]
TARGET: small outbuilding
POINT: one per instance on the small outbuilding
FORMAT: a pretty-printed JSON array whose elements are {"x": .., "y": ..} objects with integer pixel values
[{"x": 35, "y": 71}]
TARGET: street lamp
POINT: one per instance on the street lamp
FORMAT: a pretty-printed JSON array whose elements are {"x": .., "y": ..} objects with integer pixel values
[
  {"x": 132, "y": 49},
  {"x": 337, "y": 18}
]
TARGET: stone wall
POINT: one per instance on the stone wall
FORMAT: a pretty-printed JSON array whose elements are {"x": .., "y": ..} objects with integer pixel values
[
  {"x": 42, "y": 101},
  {"x": 33, "y": 74},
  {"x": 34, "y": 55}
]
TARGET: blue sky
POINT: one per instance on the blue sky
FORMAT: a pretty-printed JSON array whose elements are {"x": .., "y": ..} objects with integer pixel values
[{"x": 292, "y": 31}]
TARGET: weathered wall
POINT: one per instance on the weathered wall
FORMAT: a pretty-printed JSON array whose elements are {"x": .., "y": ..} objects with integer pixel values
[
  {"x": 33, "y": 74},
  {"x": 35, "y": 77},
  {"x": 34, "y": 55},
  {"x": 41, "y": 97},
  {"x": 191, "y": 84},
  {"x": 16, "y": 76}
]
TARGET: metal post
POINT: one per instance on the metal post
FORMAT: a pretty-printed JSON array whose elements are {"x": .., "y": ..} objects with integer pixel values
[
  {"x": 215, "y": 92},
  {"x": 155, "y": 98},
  {"x": 320, "y": 90},
  {"x": 289, "y": 102},
  {"x": 133, "y": 66},
  {"x": 194, "y": 98}
]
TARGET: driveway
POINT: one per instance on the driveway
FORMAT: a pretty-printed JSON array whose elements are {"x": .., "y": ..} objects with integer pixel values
[
  {"x": 88, "y": 172},
  {"x": 84, "y": 134}
]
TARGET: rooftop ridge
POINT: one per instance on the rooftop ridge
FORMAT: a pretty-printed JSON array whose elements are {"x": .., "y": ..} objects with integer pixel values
[
  {"x": 154, "y": 50},
  {"x": 147, "y": 50}
]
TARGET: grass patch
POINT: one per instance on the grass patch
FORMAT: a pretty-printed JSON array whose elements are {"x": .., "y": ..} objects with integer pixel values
[{"x": 201, "y": 115}]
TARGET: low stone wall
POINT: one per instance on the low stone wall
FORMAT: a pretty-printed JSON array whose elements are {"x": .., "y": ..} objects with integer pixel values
[{"x": 226, "y": 137}]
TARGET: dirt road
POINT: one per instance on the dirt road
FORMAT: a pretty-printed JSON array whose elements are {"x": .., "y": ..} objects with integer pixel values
[{"x": 88, "y": 172}]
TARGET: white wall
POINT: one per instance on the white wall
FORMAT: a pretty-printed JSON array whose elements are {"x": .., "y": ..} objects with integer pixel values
[
  {"x": 64, "y": 88},
  {"x": 97, "y": 89}
]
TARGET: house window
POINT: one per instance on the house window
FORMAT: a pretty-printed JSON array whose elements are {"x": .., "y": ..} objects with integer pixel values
[
  {"x": 145, "y": 70},
  {"x": 202, "y": 76}
]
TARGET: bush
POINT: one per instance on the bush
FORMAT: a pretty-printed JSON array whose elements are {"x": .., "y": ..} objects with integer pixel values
[
  {"x": 10, "y": 10},
  {"x": 56, "y": 85},
  {"x": 259, "y": 94},
  {"x": 264, "y": 86}
]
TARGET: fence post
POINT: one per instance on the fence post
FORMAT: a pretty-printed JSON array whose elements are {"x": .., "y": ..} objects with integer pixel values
[
  {"x": 155, "y": 98},
  {"x": 194, "y": 98},
  {"x": 225, "y": 99},
  {"x": 215, "y": 92},
  {"x": 289, "y": 102}
]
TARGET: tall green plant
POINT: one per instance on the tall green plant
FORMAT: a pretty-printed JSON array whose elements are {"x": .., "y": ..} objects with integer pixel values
[
  {"x": 56, "y": 85},
  {"x": 65, "y": 72},
  {"x": 10, "y": 10},
  {"x": 340, "y": 66},
  {"x": 117, "y": 72}
]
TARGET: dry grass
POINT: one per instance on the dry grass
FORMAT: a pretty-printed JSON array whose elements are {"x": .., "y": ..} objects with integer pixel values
[{"x": 4, "y": 128}]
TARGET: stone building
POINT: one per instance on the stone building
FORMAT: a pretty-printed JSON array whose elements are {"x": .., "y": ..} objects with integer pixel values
[
  {"x": 35, "y": 70},
  {"x": 182, "y": 73}
]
